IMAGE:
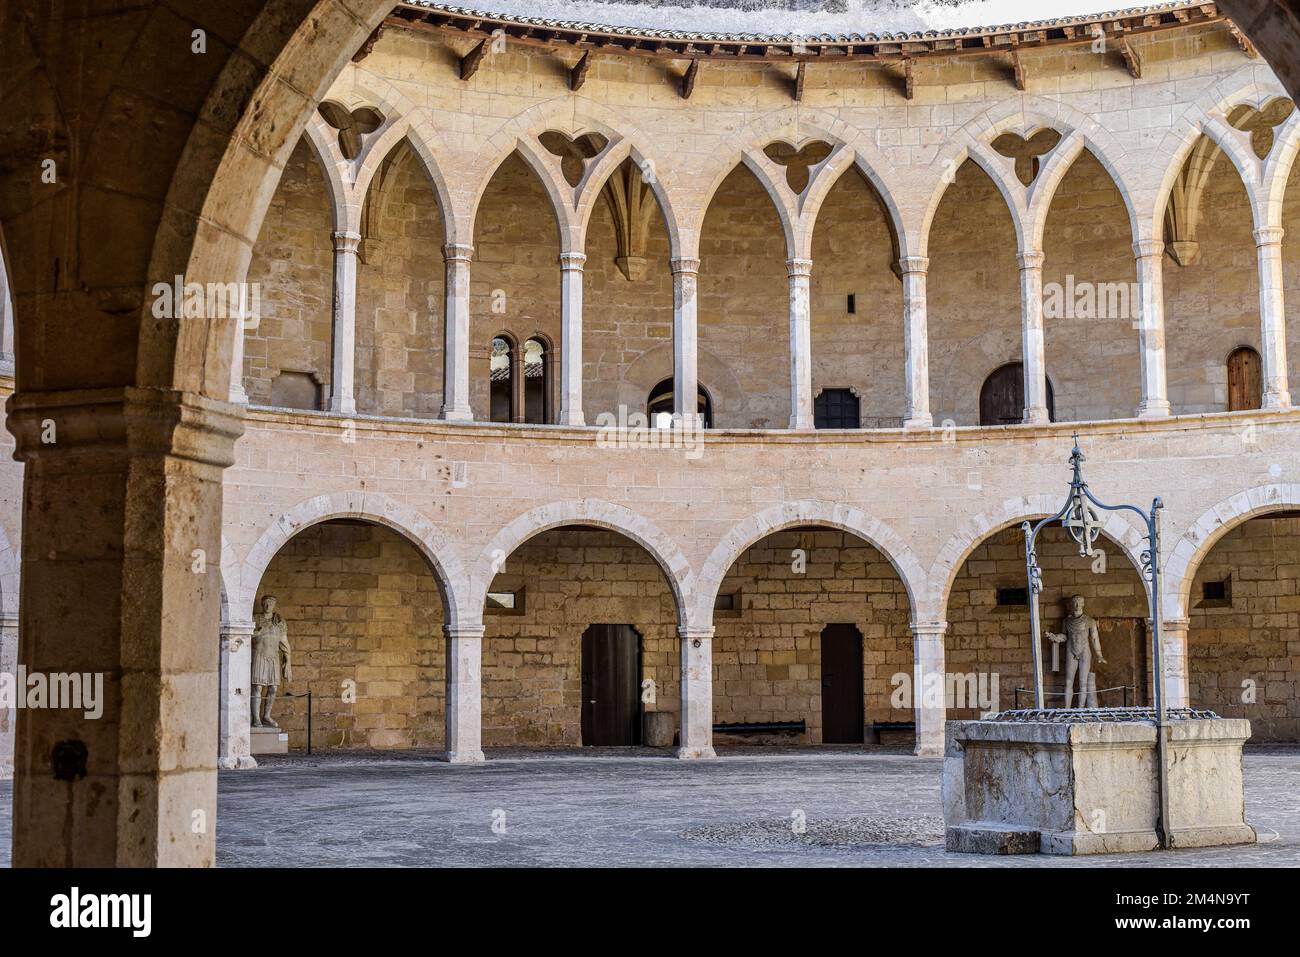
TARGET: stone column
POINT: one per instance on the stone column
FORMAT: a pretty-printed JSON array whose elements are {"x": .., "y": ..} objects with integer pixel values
[
  {"x": 8, "y": 666},
  {"x": 697, "y": 694},
  {"x": 112, "y": 587},
  {"x": 1174, "y": 651},
  {"x": 571, "y": 343},
  {"x": 342, "y": 383},
  {"x": 916, "y": 342},
  {"x": 1032, "y": 338},
  {"x": 234, "y": 749},
  {"x": 1272, "y": 318},
  {"x": 686, "y": 406},
  {"x": 928, "y": 673},
  {"x": 1149, "y": 254},
  {"x": 801, "y": 403},
  {"x": 464, "y": 694},
  {"x": 6, "y": 323},
  {"x": 238, "y": 394},
  {"x": 455, "y": 354}
]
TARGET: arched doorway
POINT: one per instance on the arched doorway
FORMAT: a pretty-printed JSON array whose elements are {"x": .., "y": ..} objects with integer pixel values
[
  {"x": 1245, "y": 380},
  {"x": 1002, "y": 397},
  {"x": 660, "y": 402}
]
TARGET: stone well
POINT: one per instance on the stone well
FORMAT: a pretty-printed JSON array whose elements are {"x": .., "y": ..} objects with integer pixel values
[{"x": 1070, "y": 782}]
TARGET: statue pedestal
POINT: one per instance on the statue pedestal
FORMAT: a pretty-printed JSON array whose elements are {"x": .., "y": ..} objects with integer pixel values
[
  {"x": 268, "y": 741},
  {"x": 1021, "y": 783}
]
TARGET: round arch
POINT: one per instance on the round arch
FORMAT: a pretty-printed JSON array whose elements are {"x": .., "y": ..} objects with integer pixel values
[
  {"x": 432, "y": 543},
  {"x": 943, "y": 573},
  {"x": 1192, "y": 547},
  {"x": 843, "y": 518},
  {"x": 599, "y": 514}
]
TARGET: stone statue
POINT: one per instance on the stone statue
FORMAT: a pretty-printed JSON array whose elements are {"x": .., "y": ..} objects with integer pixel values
[
  {"x": 1082, "y": 641},
  {"x": 271, "y": 662}
]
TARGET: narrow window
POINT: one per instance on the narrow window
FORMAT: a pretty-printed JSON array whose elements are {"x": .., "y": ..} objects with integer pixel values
[
  {"x": 503, "y": 393},
  {"x": 537, "y": 391}
]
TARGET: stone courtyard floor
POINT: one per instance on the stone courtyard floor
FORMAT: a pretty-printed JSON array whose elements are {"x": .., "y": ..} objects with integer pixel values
[{"x": 642, "y": 808}]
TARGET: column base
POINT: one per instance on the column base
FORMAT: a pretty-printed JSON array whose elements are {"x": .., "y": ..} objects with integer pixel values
[
  {"x": 1036, "y": 416},
  {"x": 238, "y": 395},
  {"x": 697, "y": 754},
  {"x": 929, "y": 749},
  {"x": 688, "y": 421},
  {"x": 1277, "y": 400},
  {"x": 343, "y": 408},
  {"x": 244, "y": 763},
  {"x": 474, "y": 756},
  {"x": 800, "y": 425},
  {"x": 925, "y": 421},
  {"x": 1154, "y": 410},
  {"x": 456, "y": 415},
  {"x": 574, "y": 419}
]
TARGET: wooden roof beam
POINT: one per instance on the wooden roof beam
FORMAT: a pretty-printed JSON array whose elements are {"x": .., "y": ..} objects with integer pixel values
[
  {"x": 1132, "y": 59},
  {"x": 472, "y": 60}
]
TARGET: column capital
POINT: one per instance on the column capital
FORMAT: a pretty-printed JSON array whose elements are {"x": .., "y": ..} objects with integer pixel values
[
  {"x": 235, "y": 633},
  {"x": 457, "y": 253},
  {"x": 127, "y": 420},
  {"x": 1175, "y": 624},
  {"x": 346, "y": 241},
  {"x": 689, "y": 267},
  {"x": 798, "y": 267},
  {"x": 570, "y": 262},
  {"x": 918, "y": 264},
  {"x": 928, "y": 629},
  {"x": 1148, "y": 249},
  {"x": 1269, "y": 236},
  {"x": 1030, "y": 260}
]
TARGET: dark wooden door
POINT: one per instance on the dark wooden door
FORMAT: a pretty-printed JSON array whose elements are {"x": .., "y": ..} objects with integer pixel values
[
  {"x": 1002, "y": 398},
  {"x": 1245, "y": 380},
  {"x": 842, "y": 715},
  {"x": 611, "y": 686}
]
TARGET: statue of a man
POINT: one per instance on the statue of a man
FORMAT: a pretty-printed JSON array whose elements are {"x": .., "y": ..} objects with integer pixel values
[
  {"x": 1082, "y": 641},
  {"x": 271, "y": 662}
]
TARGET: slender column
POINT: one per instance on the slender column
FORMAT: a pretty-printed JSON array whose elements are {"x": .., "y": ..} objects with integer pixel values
[
  {"x": 697, "y": 694},
  {"x": 1272, "y": 318},
  {"x": 464, "y": 694},
  {"x": 571, "y": 343},
  {"x": 342, "y": 384},
  {"x": 686, "y": 406},
  {"x": 455, "y": 353},
  {"x": 234, "y": 749},
  {"x": 112, "y": 589},
  {"x": 1174, "y": 650},
  {"x": 1032, "y": 339},
  {"x": 928, "y": 669},
  {"x": 238, "y": 395},
  {"x": 6, "y": 324},
  {"x": 1151, "y": 328},
  {"x": 916, "y": 341},
  {"x": 801, "y": 404},
  {"x": 8, "y": 715}
]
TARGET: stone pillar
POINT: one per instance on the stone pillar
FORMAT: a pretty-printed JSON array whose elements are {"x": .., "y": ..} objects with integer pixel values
[
  {"x": 8, "y": 666},
  {"x": 464, "y": 694},
  {"x": 1174, "y": 651},
  {"x": 1149, "y": 254},
  {"x": 686, "y": 406},
  {"x": 801, "y": 403},
  {"x": 342, "y": 384},
  {"x": 234, "y": 745},
  {"x": 455, "y": 356},
  {"x": 6, "y": 323},
  {"x": 697, "y": 694},
  {"x": 112, "y": 586},
  {"x": 916, "y": 342},
  {"x": 1272, "y": 318},
  {"x": 928, "y": 674},
  {"x": 1032, "y": 338},
  {"x": 571, "y": 341}
]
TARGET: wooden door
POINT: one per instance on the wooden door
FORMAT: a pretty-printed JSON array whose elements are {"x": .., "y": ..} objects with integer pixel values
[
  {"x": 611, "y": 686},
  {"x": 1002, "y": 397},
  {"x": 842, "y": 709},
  {"x": 1245, "y": 380}
]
